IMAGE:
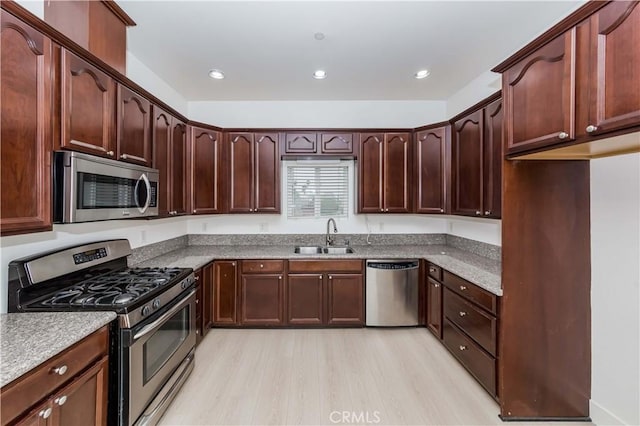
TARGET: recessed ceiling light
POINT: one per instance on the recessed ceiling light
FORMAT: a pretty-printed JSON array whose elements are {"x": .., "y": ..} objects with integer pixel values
[
  {"x": 421, "y": 74},
  {"x": 217, "y": 74},
  {"x": 318, "y": 36},
  {"x": 320, "y": 74}
]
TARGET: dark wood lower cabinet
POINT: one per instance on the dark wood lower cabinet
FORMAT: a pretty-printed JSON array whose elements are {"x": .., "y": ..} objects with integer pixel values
[
  {"x": 434, "y": 307},
  {"x": 262, "y": 298},
  {"x": 225, "y": 292},
  {"x": 345, "y": 299},
  {"x": 204, "y": 300},
  {"x": 305, "y": 297}
]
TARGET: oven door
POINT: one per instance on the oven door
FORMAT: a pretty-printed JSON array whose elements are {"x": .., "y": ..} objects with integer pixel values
[{"x": 157, "y": 347}]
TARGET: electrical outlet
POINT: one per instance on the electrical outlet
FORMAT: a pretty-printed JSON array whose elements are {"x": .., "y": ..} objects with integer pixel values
[
  {"x": 381, "y": 226},
  {"x": 264, "y": 227}
]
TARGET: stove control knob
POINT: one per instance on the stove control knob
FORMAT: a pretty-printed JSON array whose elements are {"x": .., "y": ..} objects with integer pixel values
[
  {"x": 145, "y": 311},
  {"x": 185, "y": 284},
  {"x": 156, "y": 304}
]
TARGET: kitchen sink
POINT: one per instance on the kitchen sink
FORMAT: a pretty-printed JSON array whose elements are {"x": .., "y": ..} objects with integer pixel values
[
  {"x": 322, "y": 250},
  {"x": 308, "y": 250}
]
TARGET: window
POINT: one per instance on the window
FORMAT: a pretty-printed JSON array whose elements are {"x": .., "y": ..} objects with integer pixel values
[{"x": 315, "y": 190}]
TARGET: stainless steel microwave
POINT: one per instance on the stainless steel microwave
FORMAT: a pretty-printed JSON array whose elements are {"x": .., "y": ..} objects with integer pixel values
[{"x": 87, "y": 188}]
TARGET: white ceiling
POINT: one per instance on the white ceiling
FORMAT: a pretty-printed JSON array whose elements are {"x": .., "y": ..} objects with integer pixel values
[{"x": 371, "y": 50}]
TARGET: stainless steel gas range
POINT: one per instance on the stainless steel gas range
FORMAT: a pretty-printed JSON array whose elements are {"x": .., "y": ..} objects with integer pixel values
[{"x": 154, "y": 336}]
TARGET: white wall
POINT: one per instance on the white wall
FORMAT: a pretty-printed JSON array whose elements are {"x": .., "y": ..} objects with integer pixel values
[
  {"x": 34, "y": 6},
  {"x": 479, "y": 88},
  {"x": 615, "y": 278},
  {"x": 322, "y": 114},
  {"x": 145, "y": 77}
]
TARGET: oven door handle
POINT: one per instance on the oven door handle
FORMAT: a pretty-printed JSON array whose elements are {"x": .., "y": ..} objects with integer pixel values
[{"x": 150, "y": 327}]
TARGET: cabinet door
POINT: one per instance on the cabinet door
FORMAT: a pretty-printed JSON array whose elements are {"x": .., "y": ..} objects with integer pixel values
[
  {"x": 161, "y": 135},
  {"x": 336, "y": 143},
  {"x": 267, "y": 173},
  {"x": 39, "y": 416},
  {"x": 262, "y": 299},
  {"x": 397, "y": 169},
  {"x": 134, "y": 132},
  {"x": 466, "y": 165},
  {"x": 205, "y": 170},
  {"x": 430, "y": 170},
  {"x": 434, "y": 307},
  {"x": 304, "y": 299},
  {"x": 300, "y": 143},
  {"x": 241, "y": 172},
  {"x": 207, "y": 297},
  {"x": 178, "y": 167},
  {"x": 370, "y": 175},
  {"x": 225, "y": 292},
  {"x": 25, "y": 114},
  {"x": 84, "y": 401},
  {"x": 539, "y": 95},
  {"x": 614, "y": 101},
  {"x": 88, "y": 112},
  {"x": 492, "y": 157},
  {"x": 345, "y": 299}
]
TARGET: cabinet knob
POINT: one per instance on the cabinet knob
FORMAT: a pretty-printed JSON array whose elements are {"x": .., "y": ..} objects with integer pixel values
[
  {"x": 487, "y": 212},
  {"x": 60, "y": 371},
  {"x": 197, "y": 331},
  {"x": 124, "y": 156},
  {"x": 197, "y": 278},
  {"x": 195, "y": 211},
  {"x": 563, "y": 135},
  {"x": 319, "y": 277},
  {"x": 233, "y": 263},
  {"x": 432, "y": 269},
  {"x": 441, "y": 210},
  {"x": 61, "y": 400},
  {"x": 330, "y": 277},
  {"x": 261, "y": 265},
  {"x": 436, "y": 285},
  {"x": 381, "y": 210},
  {"x": 463, "y": 287},
  {"x": 110, "y": 153},
  {"x": 386, "y": 210},
  {"x": 197, "y": 301},
  {"x": 462, "y": 313},
  {"x": 250, "y": 210},
  {"x": 478, "y": 213},
  {"x": 462, "y": 347},
  {"x": 45, "y": 413},
  {"x": 279, "y": 277},
  {"x": 591, "y": 128}
]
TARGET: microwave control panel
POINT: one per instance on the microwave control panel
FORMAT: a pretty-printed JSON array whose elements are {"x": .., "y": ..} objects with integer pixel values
[{"x": 89, "y": 255}]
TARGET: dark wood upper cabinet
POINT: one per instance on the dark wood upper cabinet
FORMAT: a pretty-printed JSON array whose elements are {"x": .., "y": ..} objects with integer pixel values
[
  {"x": 492, "y": 157},
  {"x": 614, "y": 69},
  {"x": 205, "y": 164},
  {"x": 26, "y": 132},
  {"x": 254, "y": 177},
  {"x": 539, "y": 94},
  {"x": 88, "y": 113},
  {"x": 241, "y": 172},
  {"x": 300, "y": 143},
  {"x": 430, "y": 170},
  {"x": 336, "y": 143},
  {"x": 384, "y": 170},
  {"x": 466, "y": 164},
  {"x": 134, "y": 127},
  {"x": 178, "y": 204},
  {"x": 161, "y": 137}
]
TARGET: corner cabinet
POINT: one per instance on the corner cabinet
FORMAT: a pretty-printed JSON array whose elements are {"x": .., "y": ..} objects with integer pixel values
[
  {"x": 254, "y": 172},
  {"x": 384, "y": 169},
  {"x": 430, "y": 170},
  {"x": 26, "y": 127},
  {"x": 87, "y": 107},
  {"x": 476, "y": 162},
  {"x": 205, "y": 164}
]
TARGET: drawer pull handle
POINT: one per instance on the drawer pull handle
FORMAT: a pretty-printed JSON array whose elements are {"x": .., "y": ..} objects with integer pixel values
[
  {"x": 463, "y": 287},
  {"x": 61, "y": 400},
  {"x": 462, "y": 313},
  {"x": 45, "y": 413},
  {"x": 463, "y": 347},
  {"x": 60, "y": 370}
]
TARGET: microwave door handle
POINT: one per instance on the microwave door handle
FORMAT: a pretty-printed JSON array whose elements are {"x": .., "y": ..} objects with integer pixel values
[
  {"x": 135, "y": 193},
  {"x": 148, "y": 185}
]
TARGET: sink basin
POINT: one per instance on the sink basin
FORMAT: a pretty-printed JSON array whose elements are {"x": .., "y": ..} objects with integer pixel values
[
  {"x": 322, "y": 250},
  {"x": 308, "y": 250},
  {"x": 337, "y": 250}
]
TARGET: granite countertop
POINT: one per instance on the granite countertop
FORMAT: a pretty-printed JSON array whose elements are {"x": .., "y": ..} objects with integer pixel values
[
  {"x": 29, "y": 339},
  {"x": 476, "y": 269}
]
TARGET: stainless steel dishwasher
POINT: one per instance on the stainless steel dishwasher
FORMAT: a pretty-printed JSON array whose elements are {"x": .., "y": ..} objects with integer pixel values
[{"x": 392, "y": 292}]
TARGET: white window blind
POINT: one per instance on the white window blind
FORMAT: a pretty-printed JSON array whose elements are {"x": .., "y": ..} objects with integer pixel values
[{"x": 317, "y": 191}]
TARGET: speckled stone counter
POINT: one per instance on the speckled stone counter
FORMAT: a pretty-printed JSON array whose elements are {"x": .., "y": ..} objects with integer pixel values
[
  {"x": 482, "y": 271},
  {"x": 29, "y": 339}
]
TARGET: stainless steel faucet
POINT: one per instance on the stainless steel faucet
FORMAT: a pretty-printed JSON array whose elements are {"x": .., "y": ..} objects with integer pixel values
[{"x": 329, "y": 237}]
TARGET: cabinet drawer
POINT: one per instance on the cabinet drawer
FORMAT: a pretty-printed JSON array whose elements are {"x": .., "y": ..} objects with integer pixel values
[
  {"x": 479, "y": 325},
  {"x": 21, "y": 394},
  {"x": 334, "y": 265},
  {"x": 479, "y": 363},
  {"x": 258, "y": 266},
  {"x": 434, "y": 271},
  {"x": 472, "y": 292}
]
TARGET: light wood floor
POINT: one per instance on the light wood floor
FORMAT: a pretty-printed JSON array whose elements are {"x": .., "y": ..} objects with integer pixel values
[{"x": 310, "y": 377}]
